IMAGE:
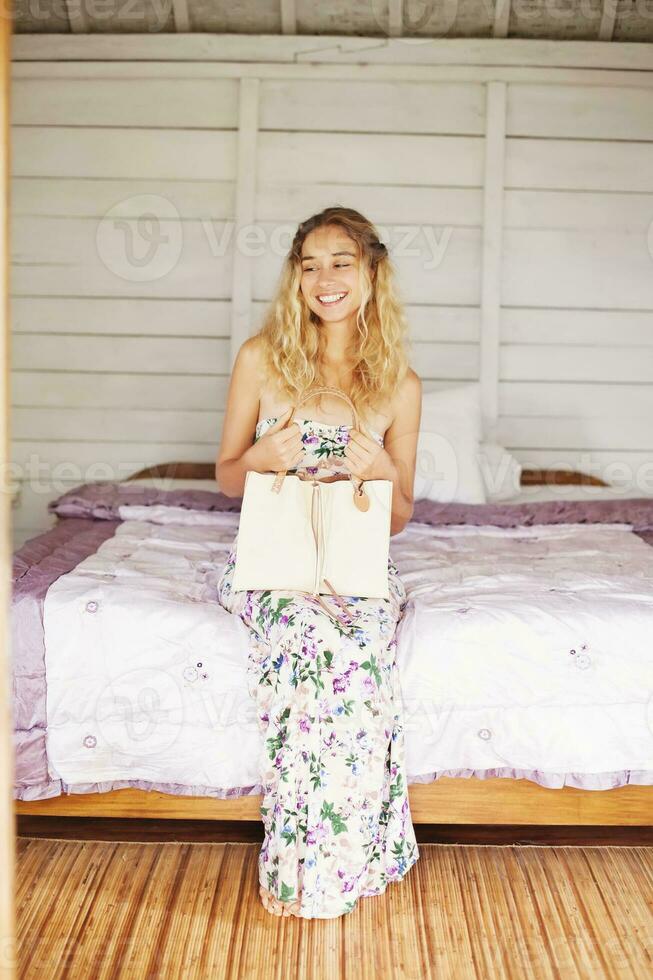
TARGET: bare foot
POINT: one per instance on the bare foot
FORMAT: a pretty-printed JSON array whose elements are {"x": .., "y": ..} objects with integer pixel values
[{"x": 273, "y": 905}]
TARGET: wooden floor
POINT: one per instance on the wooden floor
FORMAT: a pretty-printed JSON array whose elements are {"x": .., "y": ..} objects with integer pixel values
[{"x": 150, "y": 910}]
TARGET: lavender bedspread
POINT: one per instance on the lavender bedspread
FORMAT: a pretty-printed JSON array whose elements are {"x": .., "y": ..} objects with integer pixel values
[
  {"x": 88, "y": 515},
  {"x": 36, "y": 565}
]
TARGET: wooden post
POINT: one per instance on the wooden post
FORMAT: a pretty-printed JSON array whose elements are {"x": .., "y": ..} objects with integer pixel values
[
  {"x": 241, "y": 292},
  {"x": 495, "y": 130},
  {"x": 7, "y": 825}
]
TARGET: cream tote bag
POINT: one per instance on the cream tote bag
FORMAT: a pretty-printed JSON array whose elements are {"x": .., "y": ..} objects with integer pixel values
[{"x": 305, "y": 535}]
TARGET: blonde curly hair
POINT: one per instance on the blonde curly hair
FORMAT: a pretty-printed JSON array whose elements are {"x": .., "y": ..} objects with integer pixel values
[{"x": 292, "y": 344}]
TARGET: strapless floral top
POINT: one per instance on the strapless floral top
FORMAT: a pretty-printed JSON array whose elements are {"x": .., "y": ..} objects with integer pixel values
[{"x": 324, "y": 445}]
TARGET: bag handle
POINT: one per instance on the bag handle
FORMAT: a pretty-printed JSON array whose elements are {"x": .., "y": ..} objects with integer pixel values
[{"x": 360, "y": 496}]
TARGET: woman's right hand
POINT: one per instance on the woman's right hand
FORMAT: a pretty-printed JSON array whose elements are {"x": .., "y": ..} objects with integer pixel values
[{"x": 279, "y": 449}]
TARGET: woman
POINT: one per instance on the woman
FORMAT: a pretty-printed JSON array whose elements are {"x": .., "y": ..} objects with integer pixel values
[{"x": 335, "y": 806}]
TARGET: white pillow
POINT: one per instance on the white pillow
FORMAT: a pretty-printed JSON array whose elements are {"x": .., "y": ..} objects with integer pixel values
[
  {"x": 447, "y": 469},
  {"x": 500, "y": 470}
]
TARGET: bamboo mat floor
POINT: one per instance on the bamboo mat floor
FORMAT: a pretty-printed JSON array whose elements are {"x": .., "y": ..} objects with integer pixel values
[{"x": 149, "y": 910}]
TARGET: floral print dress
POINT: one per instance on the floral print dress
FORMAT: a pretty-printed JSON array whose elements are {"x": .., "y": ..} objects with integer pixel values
[{"x": 335, "y": 808}]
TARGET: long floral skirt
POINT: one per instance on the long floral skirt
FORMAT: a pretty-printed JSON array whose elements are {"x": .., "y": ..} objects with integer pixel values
[{"x": 335, "y": 809}]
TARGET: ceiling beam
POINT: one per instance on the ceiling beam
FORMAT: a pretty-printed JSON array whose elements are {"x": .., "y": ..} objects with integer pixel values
[
  {"x": 395, "y": 18},
  {"x": 201, "y": 68},
  {"x": 288, "y": 17},
  {"x": 608, "y": 19},
  {"x": 501, "y": 18},
  {"x": 77, "y": 17},
  {"x": 180, "y": 15},
  {"x": 272, "y": 54}
]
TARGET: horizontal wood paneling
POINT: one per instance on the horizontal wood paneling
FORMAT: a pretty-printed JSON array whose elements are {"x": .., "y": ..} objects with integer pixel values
[
  {"x": 123, "y": 425},
  {"x": 597, "y": 328},
  {"x": 371, "y": 158},
  {"x": 413, "y": 206},
  {"x": 121, "y": 315},
  {"x": 455, "y": 324},
  {"x": 137, "y": 390},
  {"x": 549, "y": 362},
  {"x": 577, "y": 164},
  {"x": 63, "y": 197},
  {"x": 339, "y": 107},
  {"x": 61, "y": 257},
  {"x": 587, "y": 401},
  {"x": 82, "y": 461},
  {"x": 177, "y": 103},
  {"x": 117, "y": 356},
  {"x": 562, "y": 268},
  {"x": 577, "y": 112},
  {"x": 578, "y": 210},
  {"x": 576, "y": 360},
  {"x": 121, "y": 354},
  {"x": 127, "y": 153},
  {"x": 572, "y": 432}
]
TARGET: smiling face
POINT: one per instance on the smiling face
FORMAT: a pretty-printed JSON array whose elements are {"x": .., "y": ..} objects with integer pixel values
[{"x": 329, "y": 283}]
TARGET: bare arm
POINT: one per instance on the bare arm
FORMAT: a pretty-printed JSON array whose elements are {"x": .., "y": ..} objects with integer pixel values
[
  {"x": 239, "y": 424},
  {"x": 279, "y": 449},
  {"x": 400, "y": 443}
]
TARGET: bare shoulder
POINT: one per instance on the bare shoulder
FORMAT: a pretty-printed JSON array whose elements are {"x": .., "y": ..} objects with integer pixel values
[
  {"x": 411, "y": 386},
  {"x": 405, "y": 408},
  {"x": 250, "y": 353},
  {"x": 249, "y": 364},
  {"x": 408, "y": 397}
]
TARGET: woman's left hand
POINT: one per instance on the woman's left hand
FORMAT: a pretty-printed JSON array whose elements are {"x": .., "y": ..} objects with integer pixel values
[{"x": 366, "y": 459}]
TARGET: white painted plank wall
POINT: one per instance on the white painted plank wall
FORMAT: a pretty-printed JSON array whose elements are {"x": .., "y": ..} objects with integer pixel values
[
  {"x": 576, "y": 363},
  {"x": 111, "y": 374}
]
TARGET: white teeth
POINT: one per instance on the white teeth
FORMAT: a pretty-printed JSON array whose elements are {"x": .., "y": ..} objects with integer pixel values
[{"x": 331, "y": 299}]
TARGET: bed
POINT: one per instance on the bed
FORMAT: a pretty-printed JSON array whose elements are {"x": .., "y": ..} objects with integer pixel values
[{"x": 525, "y": 658}]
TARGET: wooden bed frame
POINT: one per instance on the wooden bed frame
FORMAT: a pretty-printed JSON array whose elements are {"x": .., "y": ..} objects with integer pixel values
[{"x": 445, "y": 801}]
